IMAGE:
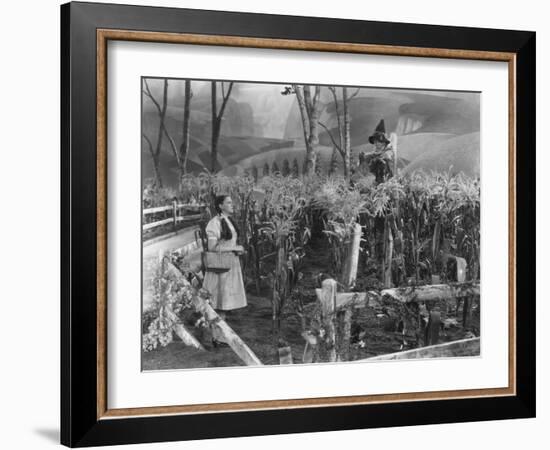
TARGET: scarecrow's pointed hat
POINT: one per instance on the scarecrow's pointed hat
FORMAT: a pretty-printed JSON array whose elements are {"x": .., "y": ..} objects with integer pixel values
[{"x": 379, "y": 134}]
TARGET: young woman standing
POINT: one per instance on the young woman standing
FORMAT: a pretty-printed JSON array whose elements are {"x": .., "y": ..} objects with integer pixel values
[{"x": 226, "y": 288}]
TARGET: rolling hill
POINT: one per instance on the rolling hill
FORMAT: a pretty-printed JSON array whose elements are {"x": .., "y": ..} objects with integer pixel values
[
  {"x": 260, "y": 125},
  {"x": 458, "y": 154}
]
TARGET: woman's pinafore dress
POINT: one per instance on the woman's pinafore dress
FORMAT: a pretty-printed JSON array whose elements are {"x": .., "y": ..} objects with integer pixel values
[{"x": 226, "y": 288}]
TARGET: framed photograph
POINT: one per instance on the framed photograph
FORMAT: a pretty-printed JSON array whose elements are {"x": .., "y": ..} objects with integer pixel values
[{"x": 277, "y": 224}]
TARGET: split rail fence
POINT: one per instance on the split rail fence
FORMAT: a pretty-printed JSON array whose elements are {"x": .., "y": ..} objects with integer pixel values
[{"x": 175, "y": 212}]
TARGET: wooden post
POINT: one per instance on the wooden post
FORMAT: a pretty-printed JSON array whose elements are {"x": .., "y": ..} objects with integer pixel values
[
  {"x": 431, "y": 336},
  {"x": 350, "y": 268},
  {"x": 388, "y": 257},
  {"x": 345, "y": 337},
  {"x": 432, "y": 292},
  {"x": 309, "y": 349},
  {"x": 233, "y": 340},
  {"x": 182, "y": 332},
  {"x": 327, "y": 298},
  {"x": 202, "y": 306},
  {"x": 175, "y": 212},
  {"x": 461, "y": 266},
  {"x": 466, "y": 307},
  {"x": 285, "y": 355}
]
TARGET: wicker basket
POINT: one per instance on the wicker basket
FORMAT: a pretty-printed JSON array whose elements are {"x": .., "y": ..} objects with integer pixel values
[{"x": 217, "y": 261}]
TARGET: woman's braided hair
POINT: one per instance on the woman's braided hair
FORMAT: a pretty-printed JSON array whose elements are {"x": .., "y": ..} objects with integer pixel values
[{"x": 226, "y": 234}]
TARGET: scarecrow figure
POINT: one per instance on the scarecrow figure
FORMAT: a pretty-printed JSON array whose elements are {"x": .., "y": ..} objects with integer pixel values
[{"x": 381, "y": 162}]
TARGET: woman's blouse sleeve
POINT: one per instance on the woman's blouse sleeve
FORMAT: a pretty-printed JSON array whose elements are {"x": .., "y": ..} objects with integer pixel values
[
  {"x": 213, "y": 229},
  {"x": 213, "y": 232}
]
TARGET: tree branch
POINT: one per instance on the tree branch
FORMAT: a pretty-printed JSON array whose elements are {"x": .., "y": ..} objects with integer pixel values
[
  {"x": 307, "y": 99},
  {"x": 172, "y": 144},
  {"x": 148, "y": 93},
  {"x": 340, "y": 129},
  {"x": 317, "y": 96},
  {"x": 354, "y": 94},
  {"x": 332, "y": 138},
  {"x": 225, "y": 98},
  {"x": 150, "y": 144}
]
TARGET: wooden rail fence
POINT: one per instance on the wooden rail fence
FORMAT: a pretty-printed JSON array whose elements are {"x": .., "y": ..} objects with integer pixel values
[
  {"x": 175, "y": 216},
  {"x": 202, "y": 306},
  {"x": 336, "y": 313}
]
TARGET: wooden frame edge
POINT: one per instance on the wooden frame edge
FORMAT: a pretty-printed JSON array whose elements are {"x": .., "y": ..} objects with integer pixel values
[
  {"x": 103, "y": 36},
  {"x": 290, "y": 44},
  {"x": 512, "y": 199},
  {"x": 303, "y": 403},
  {"x": 101, "y": 224}
]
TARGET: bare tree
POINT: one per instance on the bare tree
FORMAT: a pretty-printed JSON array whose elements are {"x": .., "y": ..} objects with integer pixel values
[
  {"x": 333, "y": 162},
  {"x": 343, "y": 145},
  {"x": 184, "y": 147},
  {"x": 310, "y": 111},
  {"x": 217, "y": 119},
  {"x": 155, "y": 152},
  {"x": 163, "y": 131},
  {"x": 158, "y": 178}
]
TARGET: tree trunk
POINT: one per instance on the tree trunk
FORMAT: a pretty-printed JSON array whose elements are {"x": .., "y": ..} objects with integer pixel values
[
  {"x": 217, "y": 120},
  {"x": 215, "y": 129},
  {"x": 310, "y": 111},
  {"x": 215, "y": 137},
  {"x": 161, "y": 110},
  {"x": 315, "y": 113},
  {"x": 162, "y": 115},
  {"x": 184, "y": 147},
  {"x": 155, "y": 159},
  {"x": 347, "y": 135},
  {"x": 156, "y": 167}
]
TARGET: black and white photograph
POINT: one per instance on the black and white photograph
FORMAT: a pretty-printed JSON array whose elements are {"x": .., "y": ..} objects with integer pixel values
[
  {"x": 275, "y": 225},
  {"x": 286, "y": 223}
]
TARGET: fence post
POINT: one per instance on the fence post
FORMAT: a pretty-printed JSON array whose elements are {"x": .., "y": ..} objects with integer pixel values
[
  {"x": 328, "y": 310},
  {"x": 466, "y": 311},
  {"x": 285, "y": 354},
  {"x": 175, "y": 212},
  {"x": 388, "y": 257},
  {"x": 344, "y": 346},
  {"x": 350, "y": 268},
  {"x": 233, "y": 340}
]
